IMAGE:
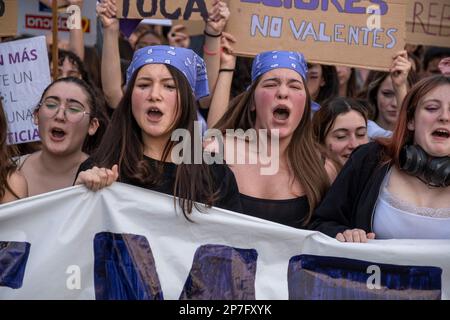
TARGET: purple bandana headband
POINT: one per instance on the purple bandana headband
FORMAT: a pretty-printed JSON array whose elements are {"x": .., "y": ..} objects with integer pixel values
[
  {"x": 270, "y": 60},
  {"x": 185, "y": 60}
]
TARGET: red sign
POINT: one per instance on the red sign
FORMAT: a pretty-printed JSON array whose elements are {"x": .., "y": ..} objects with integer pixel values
[{"x": 45, "y": 23}]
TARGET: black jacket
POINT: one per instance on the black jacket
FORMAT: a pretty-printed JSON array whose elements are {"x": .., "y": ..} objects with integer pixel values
[
  {"x": 223, "y": 177},
  {"x": 351, "y": 199}
]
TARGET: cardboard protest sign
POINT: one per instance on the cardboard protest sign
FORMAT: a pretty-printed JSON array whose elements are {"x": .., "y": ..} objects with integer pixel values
[
  {"x": 192, "y": 27},
  {"x": 428, "y": 22},
  {"x": 8, "y": 17},
  {"x": 363, "y": 34},
  {"x": 164, "y": 9},
  {"x": 24, "y": 74},
  {"x": 35, "y": 18}
]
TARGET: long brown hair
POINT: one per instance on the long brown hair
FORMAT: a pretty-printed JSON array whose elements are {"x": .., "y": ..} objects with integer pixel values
[
  {"x": 122, "y": 144},
  {"x": 7, "y": 165},
  {"x": 303, "y": 155},
  {"x": 402, "y": 135}
]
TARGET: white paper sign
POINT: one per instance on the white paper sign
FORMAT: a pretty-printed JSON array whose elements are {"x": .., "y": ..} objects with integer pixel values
[{"x": 24, "y": 74}]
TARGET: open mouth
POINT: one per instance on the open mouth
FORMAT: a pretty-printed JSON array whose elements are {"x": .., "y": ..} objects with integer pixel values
[
  {"x": 58, "y": 133},
  {"x": 281, "y": 113},
  {"x": 154, "y": 113},
  {"x": 441, "y": 133}
]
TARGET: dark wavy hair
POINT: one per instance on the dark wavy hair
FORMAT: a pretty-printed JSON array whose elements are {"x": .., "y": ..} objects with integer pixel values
[{"x": 122, "y": 144}]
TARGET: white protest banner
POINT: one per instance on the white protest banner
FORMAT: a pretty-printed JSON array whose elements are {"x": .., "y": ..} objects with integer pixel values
[
  {"x": 164, "y": 9},
  {"x": 24, "y": 74},
  {"x": 428, "y": 22},
  {"x": 125, "y": 242},
  {"x": 363, "y": 34},
  {"x": 8, "y": 17},
  {"x": 36, "y": 18}
]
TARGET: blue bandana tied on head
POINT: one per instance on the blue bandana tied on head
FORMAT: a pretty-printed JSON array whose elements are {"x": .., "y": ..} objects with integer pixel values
[
  {"x": 269, "y": 60},
  {"x": 185, "y": 60}
]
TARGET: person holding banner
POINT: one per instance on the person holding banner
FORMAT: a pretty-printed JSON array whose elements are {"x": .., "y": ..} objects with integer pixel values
[
  {"x": 397, "y": 188},
  {"x": 278, "y": 99},
  {"x": 164, "y": 85},
  {"x": 13, "y": 185},
  {"x": 67, "y": 117},
  {"x": 340, "y": 126},
  {"x": 385, "y": 93}
]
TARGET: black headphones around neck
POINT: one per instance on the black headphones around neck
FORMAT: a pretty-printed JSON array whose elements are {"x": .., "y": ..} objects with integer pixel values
[{"x": 433, "y": 171}]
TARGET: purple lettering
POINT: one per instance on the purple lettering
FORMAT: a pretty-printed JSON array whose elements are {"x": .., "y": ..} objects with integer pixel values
[
  {"x": 349, "y": 8},
  {"x": 33, "y": 54},
  {"x": 14, "y": 58},
  {"x": 273, "y": 3},
  {"x": 383, "y": 6},
  {"x": 25, "y": 55},
  {"x": 288, "y": 4},
  {"x": 311, "y": 5},
  {"x": 393, "y": 42}
]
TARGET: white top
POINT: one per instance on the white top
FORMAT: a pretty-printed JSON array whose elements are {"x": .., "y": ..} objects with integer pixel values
[
  {"x": 398, "y": 219},
  {"x": 375, "y": 131}
]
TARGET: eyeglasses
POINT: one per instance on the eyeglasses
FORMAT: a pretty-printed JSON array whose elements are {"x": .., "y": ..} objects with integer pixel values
[{"x": 74, "y": 111}]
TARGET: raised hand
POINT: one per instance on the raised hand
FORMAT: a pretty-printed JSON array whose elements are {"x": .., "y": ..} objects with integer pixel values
[
  {"x": 227, "y": 59},
  {"x": 107, "y": 11},
  {"x": 218, "y": 18},
  {"x": 400, "y": 69}
]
